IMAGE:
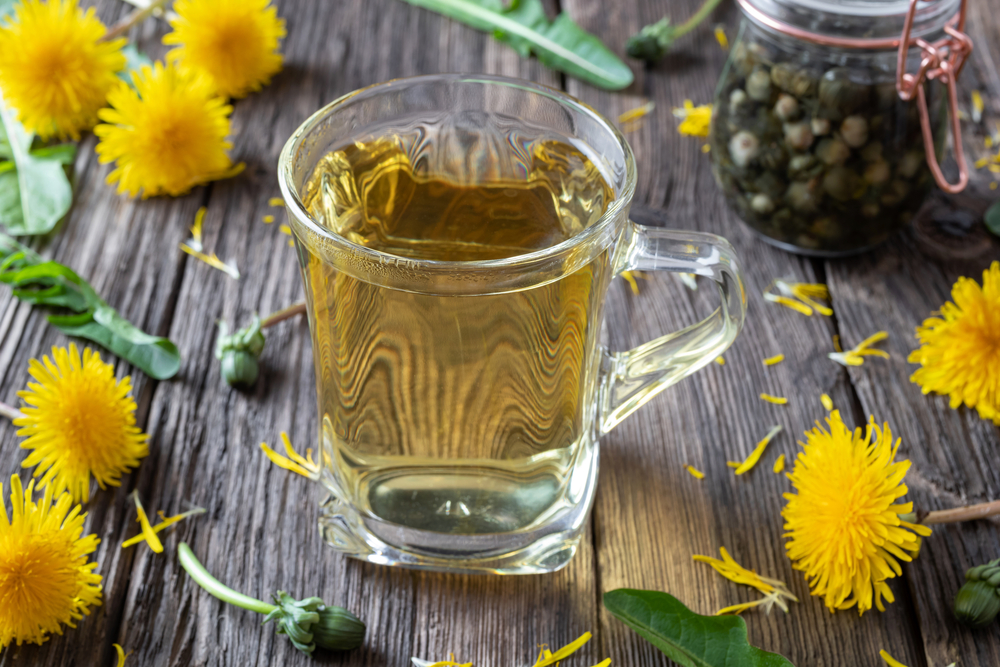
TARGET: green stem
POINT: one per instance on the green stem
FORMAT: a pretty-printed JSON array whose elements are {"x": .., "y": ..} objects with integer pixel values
[
  {"x": 697, "y": 18},
  {"x": 10, "y": 412},
  {"x": 216, "y": 587},
  {"x": 296, "y": 308},
  {"x": 138, "y": 16}
]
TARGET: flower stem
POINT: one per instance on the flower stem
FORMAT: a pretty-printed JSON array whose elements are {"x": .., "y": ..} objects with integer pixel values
[
  {"x": 215, "y": 587},
  {"x": 296, "y": 308},
  {"x": 136, "y": 17},
  {"x": 10, "y": 412},
  {"x": 967, "y": 513},
  {"x": 699, "y": 16}
]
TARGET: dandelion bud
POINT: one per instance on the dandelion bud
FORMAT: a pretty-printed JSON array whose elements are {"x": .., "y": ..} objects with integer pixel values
[
  {"x": 652, "y": 42},
  {"x": 338, "y": 629},
  {"x": 239, "y": 352},
  {"x": 978, "y": 600}
]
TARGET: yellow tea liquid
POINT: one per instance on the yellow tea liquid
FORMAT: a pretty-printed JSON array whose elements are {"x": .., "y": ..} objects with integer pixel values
[{"x": 455, "y": 413}]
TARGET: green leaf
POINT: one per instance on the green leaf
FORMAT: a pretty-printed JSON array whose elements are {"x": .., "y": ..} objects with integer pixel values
[
  {"x": 560, "y": 44},
  {"x": 992, "y": 218},
  {"x": 44, "y": 282},
  {"x": 687, "y": 638},
  {"x": 63, "y": 153},
  {"x": 37, "y": 194}
]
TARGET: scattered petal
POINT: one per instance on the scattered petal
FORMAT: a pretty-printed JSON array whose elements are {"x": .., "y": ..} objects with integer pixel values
[
  {"x": 776, "y": 359},
  {"x": 121, "y": 655},
  {"x": 629, "y": 277},
  {"x": 213, "y": 260},
  {"x": 777, "y": 400},
  {"x": 276, "y": 201},
  {"x": 826, "y": 401},
  {"x": 889, "y": 660},
  {"x": 758, "y": 451},
  {"x": 720, "y": 360},
  {"x": 856, "y": 355},
  {"x": 981, "y": 162},
  {"x": 285, "y": 229},
  {"x": 720, "y": 37},
  {"x": 294, "y": 461},
  {"x": 774, "y": 590},
  {"x": 148, "y": 534},
  {"x": 268, "y": 219},
  {"x": 165, "y": 522},
  {"x": 637, "y": 113},
  {"x": 706, "y": 148},
  {"x": 977, "y": 106},
  {"x": 697, "y": 474},
  {"x": 779, "y": 464},
  {"x": 696, "y": 120},
  {"x": 196, "y": 229},
  {"x": 689, "y": 280}
]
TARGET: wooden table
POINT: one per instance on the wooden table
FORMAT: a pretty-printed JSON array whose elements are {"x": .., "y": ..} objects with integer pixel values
[{"x": 650, "y": 516}]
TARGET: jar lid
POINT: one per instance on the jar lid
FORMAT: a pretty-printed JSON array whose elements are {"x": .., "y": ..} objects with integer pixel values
[{"x": 875, "y": 20}]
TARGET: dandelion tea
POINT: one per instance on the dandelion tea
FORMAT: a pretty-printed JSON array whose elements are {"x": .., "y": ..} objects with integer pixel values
[{"x": 456, "y": 413}]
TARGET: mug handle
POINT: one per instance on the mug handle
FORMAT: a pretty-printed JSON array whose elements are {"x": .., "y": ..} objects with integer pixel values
[{"x": 632, "y": 378}]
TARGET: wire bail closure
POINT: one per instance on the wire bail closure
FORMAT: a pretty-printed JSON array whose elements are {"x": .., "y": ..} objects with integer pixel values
[{"x": 942, "y": 60}]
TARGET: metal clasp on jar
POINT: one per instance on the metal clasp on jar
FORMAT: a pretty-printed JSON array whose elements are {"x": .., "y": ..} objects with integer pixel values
[{"x": 942, "y": 60}]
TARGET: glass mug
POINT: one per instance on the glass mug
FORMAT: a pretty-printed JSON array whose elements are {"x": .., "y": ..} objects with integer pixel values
[{"x": 461, "y": 380}]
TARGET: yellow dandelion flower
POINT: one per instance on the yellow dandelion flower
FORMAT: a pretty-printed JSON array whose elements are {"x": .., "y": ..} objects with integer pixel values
[
  {"x": 959, "y": 351},
  {"x": 167, "y": 135},
  {"x": 694, "y": 472},
  {"x": 45, "y": 579},
  {"x": 696, "y": 120},
  {"x": 843, "y": 525},
  {"x": 234, "y": 43},
  {"x": 856, "y": 355},
  {"x": 54, "y": 68},
  {"x": 80, "y": 422}
]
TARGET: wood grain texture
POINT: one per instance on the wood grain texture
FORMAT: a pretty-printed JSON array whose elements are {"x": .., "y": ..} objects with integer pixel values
[{"x": 259, "y": 534}]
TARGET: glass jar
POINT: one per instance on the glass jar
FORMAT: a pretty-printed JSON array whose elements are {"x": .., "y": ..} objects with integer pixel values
[{"x": 811, "y": 142}]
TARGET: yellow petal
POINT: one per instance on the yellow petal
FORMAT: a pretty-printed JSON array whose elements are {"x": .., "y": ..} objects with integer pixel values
[
  {"x": 697, "y": 474},
  {"x": 637, "y": 113},
  {"x": 776, "y": 359},
  {"x": 276, "y": 201},
  {"x": 165, "y": 522},
  {"x": 213, "y": 261},
  {"x": 286, "y": 463},
  {"x": 789, "y": 303},
  {"x": 720, "y": 37},
  {"x": 889, "y": 660},
  {"x": 777, "y": 400},
  {"x": 147, "y": 531},
  {"x": 121, "y": 655},
  {"x": 268, "y": 219},
  {"x": 779, "y": 464},
  {"x": 758, "y": 451},
  {"x": 564, "y": 652},
  {"x": 826, "y": 401},
  {"x": 719, "y": 360}
]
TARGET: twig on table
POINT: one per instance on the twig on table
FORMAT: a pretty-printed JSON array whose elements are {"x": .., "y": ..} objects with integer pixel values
[{"x": 285, "y": 313}]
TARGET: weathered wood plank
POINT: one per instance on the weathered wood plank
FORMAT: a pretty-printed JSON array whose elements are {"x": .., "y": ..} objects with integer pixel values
[
  {"x": 651, "y": 516},
  {"x": 954, "y": 453},
  {"x": 117, "y": 245},
  {"x": 260, "y": 534}
]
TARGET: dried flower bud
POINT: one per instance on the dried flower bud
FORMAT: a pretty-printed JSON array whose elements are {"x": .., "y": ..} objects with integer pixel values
[
  {"x": 978, "y": 600},
  {"x": 798, "y": 135},
  {"x": 819, "y": 126},
  {"x": 239, "y": 353},
  {"x": 854, "y": 131},
  {"x": 743, "y": 148},
  {"x": 759, "y": 85},
  {"x": 787, "y": 107}
]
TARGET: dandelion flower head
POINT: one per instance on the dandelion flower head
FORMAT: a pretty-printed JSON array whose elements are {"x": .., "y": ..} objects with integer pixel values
[
  {"x": 843, "y": 523},
  {"x": 232, "y": 42},
  {"x": 53, "y": 67},
  {"x": 45, "y": 579},
  {"x": 167, "y": 135},
  {"x": 695, "y": 120},
  {"x": 80, "y": 422},
  {"x": 959, "y": 351}
]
